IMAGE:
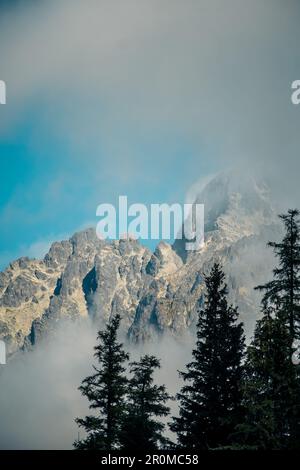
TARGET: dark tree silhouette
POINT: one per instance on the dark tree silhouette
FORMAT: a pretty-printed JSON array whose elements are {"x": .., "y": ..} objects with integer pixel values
[
  {"x": 105, "y": 391},
  {"x": 282, "y": 294},
  {"x": 210, "y": 400},
  {"x": 146, "y": 402},
  {"x": 271, "y": 388}
]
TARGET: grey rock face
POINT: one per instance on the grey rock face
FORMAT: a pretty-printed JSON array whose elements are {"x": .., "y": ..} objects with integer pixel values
[
  {"x": 154, "y": 292},
  {"x": 99, "y": 279}
]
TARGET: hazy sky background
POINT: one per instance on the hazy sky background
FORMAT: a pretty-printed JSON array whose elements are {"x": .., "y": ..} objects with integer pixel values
[
  {"x": 40, "y": 399},
  {"x": 139, "y": 97},
  {"x": 135, "y": 97}
]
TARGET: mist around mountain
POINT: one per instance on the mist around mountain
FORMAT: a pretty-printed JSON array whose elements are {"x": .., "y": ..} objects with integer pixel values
[{"x": 51, "y": 309}]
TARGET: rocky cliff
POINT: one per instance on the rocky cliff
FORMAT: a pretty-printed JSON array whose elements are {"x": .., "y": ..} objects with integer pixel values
[{"x": 154, "y": 292}]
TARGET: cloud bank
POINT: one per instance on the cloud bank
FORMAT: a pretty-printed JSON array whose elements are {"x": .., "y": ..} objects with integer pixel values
[
  {"x": 39, "y": 390},
  {"x": 123, "y": 79},
  {"x": 115, "y": 74}
]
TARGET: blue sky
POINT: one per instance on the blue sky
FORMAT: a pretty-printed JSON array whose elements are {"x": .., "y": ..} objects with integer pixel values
[
  {"x": 138, "y": 98},
  {"x": 49, "y": 189}
]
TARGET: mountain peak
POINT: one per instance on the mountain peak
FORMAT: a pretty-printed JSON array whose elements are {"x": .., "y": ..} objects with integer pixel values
[{"x": 153, "y": 292}]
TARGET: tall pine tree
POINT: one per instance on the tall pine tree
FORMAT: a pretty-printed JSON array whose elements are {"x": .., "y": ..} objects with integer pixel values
[
  {"x": 210, "y": 400},
  {"x": 270, "y": 388},
  {"x": 146, "y": 402},
  {"x": 105, "y": 391},
  {"x": 282, "y": 294}
]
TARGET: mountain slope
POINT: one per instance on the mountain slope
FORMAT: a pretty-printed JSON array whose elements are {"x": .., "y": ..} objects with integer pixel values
[{"x": 154, "y": 292}]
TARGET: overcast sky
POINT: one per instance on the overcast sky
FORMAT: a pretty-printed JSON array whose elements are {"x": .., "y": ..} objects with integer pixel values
[
  {"x": 142, "y": 98},
  {"x": 139, "y": 97}
]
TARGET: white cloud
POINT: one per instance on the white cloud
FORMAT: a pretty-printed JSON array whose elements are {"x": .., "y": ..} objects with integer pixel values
[
  {"x": 39, "y": 391},
  {"x": 215, "y": 73}
]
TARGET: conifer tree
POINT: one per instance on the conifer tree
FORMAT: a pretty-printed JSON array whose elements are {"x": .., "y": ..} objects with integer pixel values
[
  {"x": 146, "y": 402},
  {"x": 282, "y": 294},
  {"x": 105, "y": 390},
  {"x": 210, "y": 400},
  {"x": 271, "y": 388}
]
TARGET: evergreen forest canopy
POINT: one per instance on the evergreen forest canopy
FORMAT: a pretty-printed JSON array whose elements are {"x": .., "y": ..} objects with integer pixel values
[{"x": 232, "y": 397}]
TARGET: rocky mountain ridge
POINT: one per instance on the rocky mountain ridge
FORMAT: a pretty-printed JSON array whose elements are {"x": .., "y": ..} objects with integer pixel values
[{"x": 154, "y": 292}]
